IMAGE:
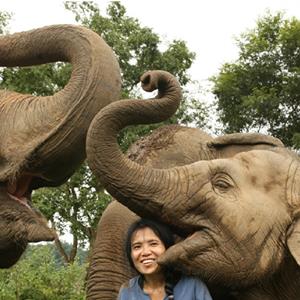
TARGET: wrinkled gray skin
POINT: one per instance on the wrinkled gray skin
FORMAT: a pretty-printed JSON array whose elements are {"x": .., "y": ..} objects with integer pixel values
[
  {"x": 237, "y": 213},
  {"x": 42, "y": 139},
  {"x": 166, "y": 147}
]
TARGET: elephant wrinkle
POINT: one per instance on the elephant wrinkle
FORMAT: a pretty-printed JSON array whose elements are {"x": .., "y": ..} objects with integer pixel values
[
  {"x": 234, "y": 201},
  {"x": 43, "y": 137},
  {"x": 263, "y": 264}
]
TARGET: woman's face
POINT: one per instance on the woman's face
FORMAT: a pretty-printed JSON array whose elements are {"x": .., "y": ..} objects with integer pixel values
[{"x": 146, "y": 247}]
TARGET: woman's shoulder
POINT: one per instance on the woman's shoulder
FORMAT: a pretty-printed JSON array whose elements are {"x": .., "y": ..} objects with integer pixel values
[
  {"x": 131, "y": 283},
  {"x": 190, "y": 279},
  {"x": 129, "y": 289},
  {"x": 195, "y": 284}
]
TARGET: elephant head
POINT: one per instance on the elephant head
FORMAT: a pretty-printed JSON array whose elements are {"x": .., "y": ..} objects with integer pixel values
[
  {"x": 238, "y": 216},
  {"x": 43, "y": 138}
]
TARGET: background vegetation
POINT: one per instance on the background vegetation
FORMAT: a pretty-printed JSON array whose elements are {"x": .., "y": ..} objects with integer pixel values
[
  {"x": 261, "y": 91},
  {"x": 42, "y": 275},
  {"x": 258, "y": 92}
]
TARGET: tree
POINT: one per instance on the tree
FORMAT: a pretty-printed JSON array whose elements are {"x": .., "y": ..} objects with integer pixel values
[
  {"x": 75, "y": 206},
  {"x": 261, "y": 90},
  {"x": 79, "y": 203},
  {"x": 138, "y": 50},
  {"x": 40, "y": 276},
  {"x": 136, "y": 47},
  {"x": 4, "y": 21}
]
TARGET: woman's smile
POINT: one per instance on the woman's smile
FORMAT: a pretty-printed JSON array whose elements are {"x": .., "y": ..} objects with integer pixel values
[{"x": 146, "y": 247}]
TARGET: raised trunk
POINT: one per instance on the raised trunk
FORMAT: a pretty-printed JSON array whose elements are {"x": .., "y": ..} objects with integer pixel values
[
  {"x": 46, "y": 135},
  {"x": 123, "y": 178}
]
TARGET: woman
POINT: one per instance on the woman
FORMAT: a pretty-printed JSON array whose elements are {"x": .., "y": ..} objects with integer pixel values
[{"x": 146, "y": 241}]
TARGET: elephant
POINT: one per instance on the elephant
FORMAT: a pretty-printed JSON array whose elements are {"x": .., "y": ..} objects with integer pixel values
[
  {"x": 236, "y": 209},
  {"x": 166, "y": 147},
  {"x": 42, "y": 139}
]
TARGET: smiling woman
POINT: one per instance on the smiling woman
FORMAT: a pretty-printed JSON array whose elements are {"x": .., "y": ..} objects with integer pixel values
[{"x": 146, "y": 241}]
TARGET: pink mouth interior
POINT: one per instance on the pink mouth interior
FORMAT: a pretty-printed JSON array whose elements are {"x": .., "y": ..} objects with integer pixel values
[{"x": 19, "y": 189}]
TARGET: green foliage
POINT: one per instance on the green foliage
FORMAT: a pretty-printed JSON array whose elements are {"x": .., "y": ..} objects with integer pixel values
[
  {"x": 191, "y": 112},
  {"x": 261, "y": 90},
  {"x": 80, "y": 202},
  {"x": 296, "y": 140},
  {"x": 38, "y": 276},
  {"x": 39, "y": 80},
  {"x": 81, "y": 257},
  {"x": 138, "y": 50},
  {"x": 137, "y": 47},
  {"x": 4, "y": 21}
]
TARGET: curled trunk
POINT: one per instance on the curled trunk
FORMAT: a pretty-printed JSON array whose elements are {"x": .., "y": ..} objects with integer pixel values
[
  {"x": 132, "y": 184},
  {"x": 45, "y": 136},
  {"x": 42, "y": 139}
]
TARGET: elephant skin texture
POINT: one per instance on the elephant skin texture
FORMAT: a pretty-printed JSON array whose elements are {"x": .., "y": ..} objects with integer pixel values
[
  {"x": 234, "y": 205},
  {"x": 43, "y": 138}
]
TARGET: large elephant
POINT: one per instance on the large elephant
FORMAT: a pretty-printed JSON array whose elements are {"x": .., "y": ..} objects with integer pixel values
[
  {"x": 235, "y": 209},
  {"x": 166, "y": 147},
  {"x": 42, "y": 139}
]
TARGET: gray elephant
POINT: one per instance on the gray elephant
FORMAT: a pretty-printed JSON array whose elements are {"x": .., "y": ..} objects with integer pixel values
[
  {"x": 43, "y": 138},
  {"x": 166, "y": 147},
  {"x": 235, "y": 209}
]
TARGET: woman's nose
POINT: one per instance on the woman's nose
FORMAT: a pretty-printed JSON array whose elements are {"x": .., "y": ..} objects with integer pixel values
[{"x": 146, "y": 250}]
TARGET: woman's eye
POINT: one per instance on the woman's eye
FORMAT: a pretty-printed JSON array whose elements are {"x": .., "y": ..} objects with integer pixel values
[{"x": 154, "y": 244}]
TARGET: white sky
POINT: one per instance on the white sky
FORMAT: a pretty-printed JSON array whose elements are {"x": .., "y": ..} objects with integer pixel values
[{"x": 208, "y": 27}]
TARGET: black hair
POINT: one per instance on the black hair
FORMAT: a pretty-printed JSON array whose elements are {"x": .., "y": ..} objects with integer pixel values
[{"x": 167, "y": 238}]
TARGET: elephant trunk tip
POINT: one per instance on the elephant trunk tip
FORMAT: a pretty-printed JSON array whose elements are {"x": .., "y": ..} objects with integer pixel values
[
  {"x": 145, "y": 79},
  {"x": 155, "y": 79},
  {"x": 147, "y": 82}
]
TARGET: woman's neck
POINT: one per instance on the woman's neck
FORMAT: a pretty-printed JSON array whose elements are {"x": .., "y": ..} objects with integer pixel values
[
  {"x": 154, "y": 286},
  {"x": 153, "y": 281}
]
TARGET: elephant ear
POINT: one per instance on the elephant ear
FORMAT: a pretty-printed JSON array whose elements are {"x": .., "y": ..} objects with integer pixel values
[
  {"x": 293, "y": 240},
  {"x": 245, "y": 139}
]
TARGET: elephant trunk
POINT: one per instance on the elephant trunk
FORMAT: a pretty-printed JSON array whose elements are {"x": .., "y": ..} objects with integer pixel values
[
  {"x": 46, "y": 135},
  {"x": 134, "y": 185}
]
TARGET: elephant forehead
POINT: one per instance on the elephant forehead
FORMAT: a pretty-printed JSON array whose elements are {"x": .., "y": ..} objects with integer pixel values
[
  {"x": 258, "y": 189},
  {"x": 263, "y": 164}
]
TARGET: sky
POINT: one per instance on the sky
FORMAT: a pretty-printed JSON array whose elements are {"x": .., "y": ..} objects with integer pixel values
[{"x": 208, "y": 27}]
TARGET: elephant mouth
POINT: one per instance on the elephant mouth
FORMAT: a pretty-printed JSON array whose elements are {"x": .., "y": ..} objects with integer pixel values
[
  {"x": 188, "y": 237},
  {"x": 187, "y": 249},
  {"x": 186, "y": 230},
  {"x": 188, "y": 240},
  {"x": 20, "y": 190}
]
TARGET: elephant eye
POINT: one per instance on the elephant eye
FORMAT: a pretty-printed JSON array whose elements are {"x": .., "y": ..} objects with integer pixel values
[{"x": 221, "y": 183}]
